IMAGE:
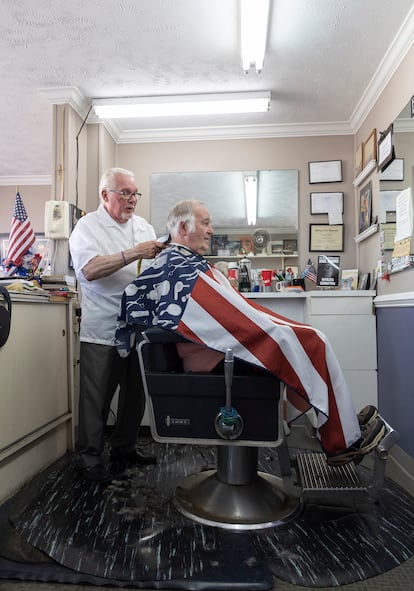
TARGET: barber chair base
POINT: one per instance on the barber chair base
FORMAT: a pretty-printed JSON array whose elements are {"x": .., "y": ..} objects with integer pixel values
[{"x": 259, "y": 504}]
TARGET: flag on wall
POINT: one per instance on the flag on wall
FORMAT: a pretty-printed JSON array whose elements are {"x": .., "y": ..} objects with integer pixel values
[
  {"x": 21, "y": 233},
  {"x": 309, "y": 272}
]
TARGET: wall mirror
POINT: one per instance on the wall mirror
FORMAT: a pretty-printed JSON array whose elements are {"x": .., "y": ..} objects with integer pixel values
[
  {"x": 272, "y": 204},
  {"x": 396, "y": 178}
]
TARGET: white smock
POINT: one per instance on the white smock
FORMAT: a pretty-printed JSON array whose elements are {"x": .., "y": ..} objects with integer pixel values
[{"x": 97, "y": 233}]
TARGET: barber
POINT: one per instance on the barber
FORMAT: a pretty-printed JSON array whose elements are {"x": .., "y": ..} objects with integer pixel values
[{"x": 108, "y": 247}]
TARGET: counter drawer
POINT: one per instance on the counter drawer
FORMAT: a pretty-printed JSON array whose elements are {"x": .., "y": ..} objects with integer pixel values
[{"x": 341, "y": 305}]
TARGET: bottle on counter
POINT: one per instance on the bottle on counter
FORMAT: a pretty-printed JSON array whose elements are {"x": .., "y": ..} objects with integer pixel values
[{"x": 245, "y": 275}]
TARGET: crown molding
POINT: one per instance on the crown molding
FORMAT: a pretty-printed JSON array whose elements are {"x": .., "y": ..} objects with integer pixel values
[
  {"x": 226, "y": 132},
  {"x": 389, "y": 64},
  {"x": 41, "y": 179},
  {"x": 67, "y": 95}
]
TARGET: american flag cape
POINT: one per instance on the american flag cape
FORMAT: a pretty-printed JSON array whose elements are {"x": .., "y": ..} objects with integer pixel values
[
  {"x": 182, "y": 292},
  {"x": 21, "y": 235}
]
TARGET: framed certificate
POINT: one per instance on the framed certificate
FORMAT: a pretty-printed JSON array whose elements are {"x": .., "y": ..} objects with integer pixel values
[
  {"x": 386, "y": 153},
  {"x": 326, "y": 238},
  {"x": 326, "y": 202},
  {"x": 327, "y": 171},
  {"x": 393, "y": 172}
]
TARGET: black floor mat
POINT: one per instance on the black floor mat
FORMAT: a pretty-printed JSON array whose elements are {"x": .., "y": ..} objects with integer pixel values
[{"x": 128, "y": 533}]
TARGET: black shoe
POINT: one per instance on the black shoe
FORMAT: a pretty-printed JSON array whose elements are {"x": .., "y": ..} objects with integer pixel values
[
  {"x": 367, "y": 415},
  {"x": 96, "y": 473},
  {"x": 133, "y": 458},
  {"x": 372, "y": 434}
]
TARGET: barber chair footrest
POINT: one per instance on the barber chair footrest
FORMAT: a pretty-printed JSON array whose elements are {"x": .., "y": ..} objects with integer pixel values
[
  {"x": 333, "y": 484},
  {"x": 260, "y": 504}
]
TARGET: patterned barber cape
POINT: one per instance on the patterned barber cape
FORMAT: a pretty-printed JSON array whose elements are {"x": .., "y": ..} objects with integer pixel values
[{"x": 182, "y": 292}]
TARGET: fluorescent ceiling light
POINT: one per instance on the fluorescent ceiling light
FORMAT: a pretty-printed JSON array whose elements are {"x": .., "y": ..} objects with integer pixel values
[
  {"x": 250, "y": 195},
  {"x": 196, "y": 104},
  {"x": 254, "y": 15}
]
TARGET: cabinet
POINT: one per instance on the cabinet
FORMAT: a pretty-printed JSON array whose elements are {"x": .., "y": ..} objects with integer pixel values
[
  {"x": 36, "y": 403},
  {"x": 348, "y": 320}
]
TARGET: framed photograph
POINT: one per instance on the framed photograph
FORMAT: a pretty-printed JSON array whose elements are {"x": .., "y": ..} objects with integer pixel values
[
  {"x": 374, "y": 279},
  {"x": 386, "y": 153},
  {"x": 359, "y": 159},
  {"x": 365, "y": 207},
  {"x": 276, "y": 247},
  {"x": 412, "y": 106},
  {"x": 218, "y": 243},
  {"x": 326, "y": 202},
  {"x": 393, "y": 172},
  {"x": 349, "y": 278},
  {"x": 326, "y": 238},
  {"x": 363, "y": 281},
  {"x": 327, "y": 274},
  {"x": 233, "y": 246},
  {"x": 370, "y": 148},
  {"x": 327, "y": 171},
  {"x": 290, "y": 246}
]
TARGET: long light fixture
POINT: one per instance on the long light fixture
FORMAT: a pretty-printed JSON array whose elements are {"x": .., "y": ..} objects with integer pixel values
[
  {"x": 254, "y": 16},
  {"x": 250, "y": 195},
  {"x": 195, "y": 104}
]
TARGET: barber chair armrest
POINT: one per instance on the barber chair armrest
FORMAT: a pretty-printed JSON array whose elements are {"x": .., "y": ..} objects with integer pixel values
[{"x": 154, "y": 334}]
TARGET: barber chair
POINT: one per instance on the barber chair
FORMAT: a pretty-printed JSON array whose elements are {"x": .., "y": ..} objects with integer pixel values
[{"x": 238, "y": 414}]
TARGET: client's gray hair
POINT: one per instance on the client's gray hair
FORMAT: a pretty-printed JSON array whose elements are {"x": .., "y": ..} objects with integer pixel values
[
  {"x": 183, "y": 211},
  {"x": 108, "y": 178}
]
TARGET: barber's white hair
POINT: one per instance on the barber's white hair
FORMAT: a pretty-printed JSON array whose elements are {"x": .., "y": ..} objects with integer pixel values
[
  {"x": 183, "y": 211},
  {"x": 108, "y": 178}
]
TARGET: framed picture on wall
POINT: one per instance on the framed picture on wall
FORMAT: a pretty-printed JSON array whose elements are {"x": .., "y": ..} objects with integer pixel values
[
  {"x": 326, "y": 171},
  {"x": 370, "y": 148},
  {"x": 359, "y": 159},
  {"x": 326, "y": 202},
  {"x": 393, "y": 172},
  {"x": 326, "y": 238},
  {"x": 365, "y": 207},
  {"x": 386, "y": 152}
]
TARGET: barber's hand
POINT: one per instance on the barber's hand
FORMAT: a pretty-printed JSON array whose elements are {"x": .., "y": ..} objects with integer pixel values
[{"x": 148, "y": 250}]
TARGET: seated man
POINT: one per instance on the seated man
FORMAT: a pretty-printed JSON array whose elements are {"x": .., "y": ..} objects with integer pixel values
[{"x": 182, "y": 292}]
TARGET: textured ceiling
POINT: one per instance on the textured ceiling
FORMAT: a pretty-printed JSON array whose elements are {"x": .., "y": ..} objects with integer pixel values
[{"x": 321, "y": 58}]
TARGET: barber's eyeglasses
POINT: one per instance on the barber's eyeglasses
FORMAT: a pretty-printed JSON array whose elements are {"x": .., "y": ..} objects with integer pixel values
[{"x": 126, "y": 194}]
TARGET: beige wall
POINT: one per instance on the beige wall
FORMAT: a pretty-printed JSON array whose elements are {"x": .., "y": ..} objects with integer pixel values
[
  {"x": 395, "y": 96},
  {"x": 256, "y": 154}
]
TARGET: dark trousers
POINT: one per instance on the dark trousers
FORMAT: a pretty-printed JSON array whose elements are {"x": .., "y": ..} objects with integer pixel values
[{"x": 101, "y": 371}]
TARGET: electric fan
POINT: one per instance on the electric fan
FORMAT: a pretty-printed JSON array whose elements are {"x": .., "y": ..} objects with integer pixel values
[{"x": 261, "y": 240}]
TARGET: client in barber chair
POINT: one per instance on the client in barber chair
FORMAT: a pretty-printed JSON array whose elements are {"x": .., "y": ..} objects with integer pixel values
[{"x": 181, "y": 291}]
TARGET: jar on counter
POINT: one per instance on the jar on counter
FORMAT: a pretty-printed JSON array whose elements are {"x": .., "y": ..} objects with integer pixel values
[
  {"x": 233, "y": 274},
  {"x": 245, "y": 275}
]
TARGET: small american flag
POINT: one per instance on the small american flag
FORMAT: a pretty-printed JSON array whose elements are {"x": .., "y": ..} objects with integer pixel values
[
  {"x": 309, "y": 272},
  {"x": 21, "y": 233}
]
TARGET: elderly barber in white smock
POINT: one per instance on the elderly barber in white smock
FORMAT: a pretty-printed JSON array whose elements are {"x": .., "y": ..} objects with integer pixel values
[{"x": 107, "y": 246}]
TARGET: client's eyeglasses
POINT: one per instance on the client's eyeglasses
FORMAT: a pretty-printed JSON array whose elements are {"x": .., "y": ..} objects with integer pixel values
[{"x": 126, "y": 194}]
